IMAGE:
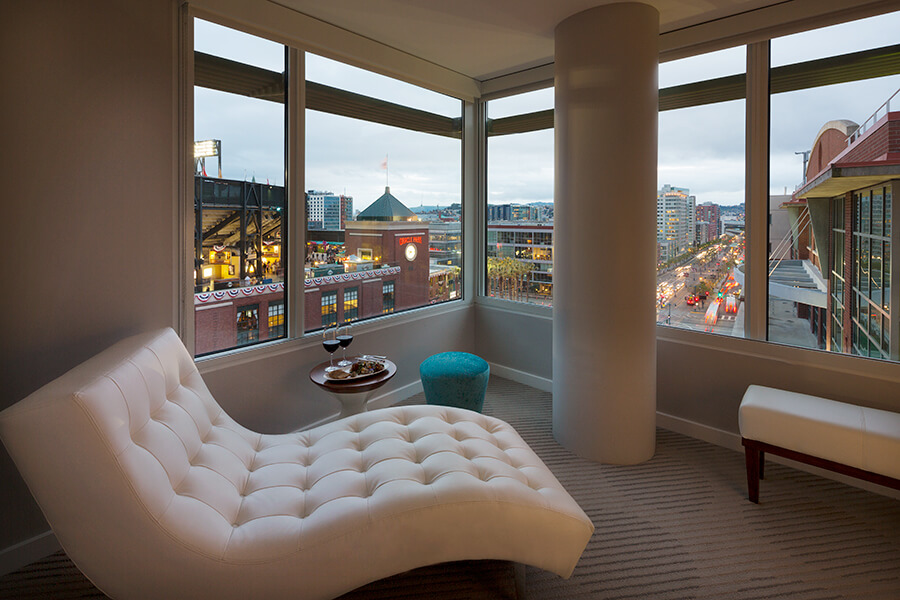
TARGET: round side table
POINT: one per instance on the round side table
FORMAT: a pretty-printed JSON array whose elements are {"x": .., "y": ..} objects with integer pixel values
[{"x": 353, "y": 395}]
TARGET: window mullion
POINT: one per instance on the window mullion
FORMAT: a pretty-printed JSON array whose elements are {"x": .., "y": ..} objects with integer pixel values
[
  {"x": 185, "y": 198},
  {"x": 757, "y": 192},
  {"x": 474, "y": 226},
  {"x": 295, "y": 165}
]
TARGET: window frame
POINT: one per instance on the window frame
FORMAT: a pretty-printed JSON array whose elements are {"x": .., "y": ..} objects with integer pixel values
[
  {"x": 288, "y": 25},
  {"x": 300, "y": 34}
]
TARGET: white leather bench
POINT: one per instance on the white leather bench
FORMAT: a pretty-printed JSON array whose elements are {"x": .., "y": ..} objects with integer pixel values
[
  {"x": 154, "y": 492},
  {"x": 845, "y": 438}
]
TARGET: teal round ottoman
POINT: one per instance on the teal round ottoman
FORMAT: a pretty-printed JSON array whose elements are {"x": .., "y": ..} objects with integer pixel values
[{"x": 455, "y": 379}]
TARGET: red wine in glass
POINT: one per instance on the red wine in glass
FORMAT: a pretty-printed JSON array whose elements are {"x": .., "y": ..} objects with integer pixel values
[
  {"x": 344, "y": 337},
  {"x": 330, "y": 344}
]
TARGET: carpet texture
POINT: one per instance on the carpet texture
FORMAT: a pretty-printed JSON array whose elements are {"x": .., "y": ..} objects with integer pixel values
[{"x": 676, "y": 527}]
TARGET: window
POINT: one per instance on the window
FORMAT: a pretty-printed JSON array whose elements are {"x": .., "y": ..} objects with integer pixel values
[
  {"x": 329, "y": 308},
  {"x": 872, "y": 250},
  {"x": 364, "y": 132},
  {"x": 837, "y": 276},
  {"x": 384, "y": 172},
  {"x": 699, "y": 204},
  {"x": 832, "y": 106},
  {"x": 520, "y": 197},
  {"x": 351, "y": 304},
  {"x": 276, "y": 320},
  {"x": 387, "y": 297},
  {"x": 239, "y": 193},
  {"x": 247, "y": 324}
]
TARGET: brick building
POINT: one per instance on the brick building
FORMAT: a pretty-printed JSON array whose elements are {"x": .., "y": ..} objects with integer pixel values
[{"x": 846, "y": 204}]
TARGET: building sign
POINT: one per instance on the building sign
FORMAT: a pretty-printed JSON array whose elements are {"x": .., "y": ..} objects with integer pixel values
[{"x": 417, "y": 239}]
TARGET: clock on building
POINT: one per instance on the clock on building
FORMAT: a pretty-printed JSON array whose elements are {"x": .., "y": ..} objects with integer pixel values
[{"x": 410, "y": 251}]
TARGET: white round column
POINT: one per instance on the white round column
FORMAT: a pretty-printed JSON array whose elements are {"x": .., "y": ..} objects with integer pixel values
[{"x": 604, "y": 254}]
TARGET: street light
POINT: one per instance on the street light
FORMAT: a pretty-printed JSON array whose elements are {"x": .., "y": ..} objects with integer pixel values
[{"x": 204, "y": 149}]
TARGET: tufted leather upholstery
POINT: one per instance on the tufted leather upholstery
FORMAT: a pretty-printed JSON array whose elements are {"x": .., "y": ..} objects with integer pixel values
[{"x": 155, "y": 492}]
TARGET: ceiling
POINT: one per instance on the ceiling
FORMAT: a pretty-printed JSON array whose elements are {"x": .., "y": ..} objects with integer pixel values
[{"x": 483, "y": 39}]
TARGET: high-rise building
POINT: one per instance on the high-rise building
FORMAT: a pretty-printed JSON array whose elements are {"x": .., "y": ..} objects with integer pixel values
[
  {"x": 346, "y": 210},
  {"x": 674, "y": 221},
  {"x": 707, "y": 214},
  {"x": 325, "y": 210},
  {"x": 499, "y": 212},
  {"x": 518, "y": 212}
]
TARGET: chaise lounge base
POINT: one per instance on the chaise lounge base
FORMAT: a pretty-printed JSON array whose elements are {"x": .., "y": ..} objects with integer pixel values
[
  {"x": 851, "y": 440},
  {"x": 154, "y": 492}
]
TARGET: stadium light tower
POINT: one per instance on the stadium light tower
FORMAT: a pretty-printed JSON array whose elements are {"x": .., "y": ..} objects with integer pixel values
[
  {"x": 204, "y": 149},
  {"x": 805, "y": 154}
]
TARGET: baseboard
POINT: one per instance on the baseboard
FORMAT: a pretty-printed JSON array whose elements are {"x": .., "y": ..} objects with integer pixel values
[
  {"x": 732, "y": 441},
  {"x": 538, "y": 383},
  {"x": 719, "y": 437},
  {"x": 396, "y": 396},
  {"x": 24, "y": 553}
]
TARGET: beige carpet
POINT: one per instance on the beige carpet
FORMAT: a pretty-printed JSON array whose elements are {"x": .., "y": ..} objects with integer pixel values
[{"x": 678, "y": 526}]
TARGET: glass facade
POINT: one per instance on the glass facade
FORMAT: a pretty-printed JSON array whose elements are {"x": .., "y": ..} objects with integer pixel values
[{"x": 871, "y": 320}]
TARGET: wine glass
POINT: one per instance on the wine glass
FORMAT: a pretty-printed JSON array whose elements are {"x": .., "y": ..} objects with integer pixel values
[
  {"x": 344, "y": 337},
  {"x": 330, "y": 344}
]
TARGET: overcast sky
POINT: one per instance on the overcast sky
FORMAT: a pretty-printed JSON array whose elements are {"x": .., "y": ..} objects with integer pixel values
[{"x": 701, "y": 148}]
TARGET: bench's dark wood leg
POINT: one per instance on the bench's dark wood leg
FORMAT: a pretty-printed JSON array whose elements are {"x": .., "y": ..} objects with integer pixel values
[
  {"x": 520, "y": 580},
  {"x": 753, "y": 468}
]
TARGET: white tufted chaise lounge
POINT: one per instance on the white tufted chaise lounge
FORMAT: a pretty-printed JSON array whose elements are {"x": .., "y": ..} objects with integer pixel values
[{"x": 154, "y": 492}]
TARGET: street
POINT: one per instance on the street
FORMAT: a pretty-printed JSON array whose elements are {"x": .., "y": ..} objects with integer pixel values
[{"x": 709, "y": 269}]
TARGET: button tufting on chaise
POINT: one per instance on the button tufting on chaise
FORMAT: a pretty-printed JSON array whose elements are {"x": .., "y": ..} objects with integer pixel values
[{"x": 306, "y": 515}]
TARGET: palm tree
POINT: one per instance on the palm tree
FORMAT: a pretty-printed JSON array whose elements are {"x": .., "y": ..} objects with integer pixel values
[{"x": 508, "y": 277}]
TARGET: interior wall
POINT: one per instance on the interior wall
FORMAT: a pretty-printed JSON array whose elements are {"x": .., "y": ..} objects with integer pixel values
[
  {"x": 275, "y": 394},
  {"x": 89, "y": 122},
  {"x": 704, "y": 383},
  {"x": 515, "y": 340},
  {"x": 702, "y": 378},
  {"x": 88, "y": 175}
]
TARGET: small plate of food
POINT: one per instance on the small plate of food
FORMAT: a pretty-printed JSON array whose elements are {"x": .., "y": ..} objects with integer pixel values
[{"x": 360, "y": 369}]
